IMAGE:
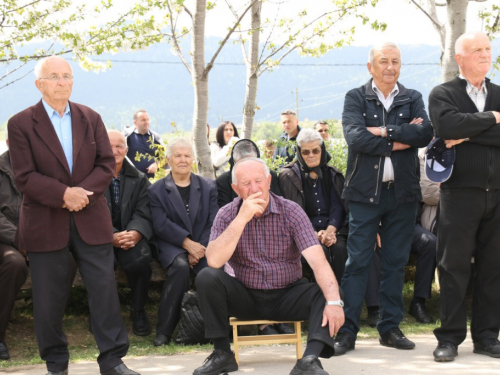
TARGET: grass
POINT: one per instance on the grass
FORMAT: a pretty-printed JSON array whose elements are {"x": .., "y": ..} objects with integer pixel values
[{"x": 22, "y": 345}]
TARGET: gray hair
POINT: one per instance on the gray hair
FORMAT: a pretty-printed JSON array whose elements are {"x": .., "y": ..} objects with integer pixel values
[
  {"x": 114, "y": 131},
  {"x": 288, "y": 112},
  {"x": 177, "y": 143},
  {"x": 459, "y": 43},
  {"x": 40, "y": 63},
  {"x": 244, "y": 150},
  {"x": 241, "y": 162},
  {"x": 307, "y": 136},
  {"x": 377, "y": 47}
]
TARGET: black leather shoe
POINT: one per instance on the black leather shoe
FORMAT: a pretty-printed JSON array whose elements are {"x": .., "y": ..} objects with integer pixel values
[
  {"x": 445, "y": 352},
  {"x": 395, "y": 339},
  {"x": 161, "y": 340},
  {"x": 309, "y": 365},
  {"x": 344, "y": 342},
  {"x": 217, "y": 363},
  {"x": 4, "y": 351},
  {"x": 268, "y": 330},
  {"x": 65, "y": 372},
  {"x": 121, "y": 369},
  {"x": 419, "y": 312},
  {"x": 140, "y": 324},
  {"x": 490, "y": 347},
  {"x": 283, "y": 328},
  {"x": 373, "y": 318}
]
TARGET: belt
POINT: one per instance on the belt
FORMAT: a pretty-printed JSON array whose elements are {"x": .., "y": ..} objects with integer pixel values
[{"x": 388, "y": 184}]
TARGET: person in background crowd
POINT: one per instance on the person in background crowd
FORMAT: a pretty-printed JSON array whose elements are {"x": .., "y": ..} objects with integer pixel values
[
  {"x": 226, "y": 137},
  {"x": 465, "y": 113},
  {"x": 317, "y": 187},
  {"x": 13, "y": 269},
  {"x": 244, "y": 282},
  {"x": 430, "y": 197},
  {"x": 128, "y": 204},
  {"x": 183, "y": 207},
  {"x": 384, "y": 124},
  {"x": 140, "y": 139},
  {"x": 63, "y": 163},
  {"x": 291, "y": 129},
  {"x": 322, "y": 128}
]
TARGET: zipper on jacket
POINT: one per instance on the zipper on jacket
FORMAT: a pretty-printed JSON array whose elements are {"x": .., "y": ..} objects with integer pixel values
[
  {"x": 380, "y": 159},
  {"x": 354, "y": 170}
]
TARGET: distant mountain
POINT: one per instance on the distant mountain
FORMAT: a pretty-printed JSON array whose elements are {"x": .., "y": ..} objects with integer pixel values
[{"x": 158, "y": 83}]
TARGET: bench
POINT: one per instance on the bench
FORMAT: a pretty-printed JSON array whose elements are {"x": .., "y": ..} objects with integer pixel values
[{"x": 295, "y": 338}]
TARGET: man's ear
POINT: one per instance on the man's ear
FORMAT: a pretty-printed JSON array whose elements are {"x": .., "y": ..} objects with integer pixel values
[
  {"x": 269, "y": 179},
  {"x": 235, "y": 188}
]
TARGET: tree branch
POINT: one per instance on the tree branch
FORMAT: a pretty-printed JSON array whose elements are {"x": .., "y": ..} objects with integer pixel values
[
  {"x": 433, "y": 18},
  {"x": 11, "y": 82},
  {"x": 175, "y": 39},
  {"x": 240, "y": 35}
]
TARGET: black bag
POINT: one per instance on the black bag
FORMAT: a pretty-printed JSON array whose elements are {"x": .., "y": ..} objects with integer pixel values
[{"x": 192, "y": 326}]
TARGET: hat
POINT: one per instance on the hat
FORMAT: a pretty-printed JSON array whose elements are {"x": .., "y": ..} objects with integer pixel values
[{"x": 439, "y": 161}]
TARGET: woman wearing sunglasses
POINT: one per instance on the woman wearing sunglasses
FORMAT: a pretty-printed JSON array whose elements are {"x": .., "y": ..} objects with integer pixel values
[{"x": 317, "y": 188}]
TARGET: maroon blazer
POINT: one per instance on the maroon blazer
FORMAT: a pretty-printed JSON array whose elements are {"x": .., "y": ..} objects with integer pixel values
[{"x": 42, "y": 174}]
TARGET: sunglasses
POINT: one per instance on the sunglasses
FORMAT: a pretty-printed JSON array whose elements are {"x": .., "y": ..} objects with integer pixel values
[{"x": 315, "y": 151}]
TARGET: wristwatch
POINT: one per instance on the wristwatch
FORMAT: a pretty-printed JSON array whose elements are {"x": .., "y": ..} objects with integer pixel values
[{"x": 335, "y": 303}]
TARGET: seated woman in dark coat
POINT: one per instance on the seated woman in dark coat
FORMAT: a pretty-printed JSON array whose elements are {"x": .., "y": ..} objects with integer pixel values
[
  {"x": 183, "y": 207},
  {"x": 317, "y": 188}
]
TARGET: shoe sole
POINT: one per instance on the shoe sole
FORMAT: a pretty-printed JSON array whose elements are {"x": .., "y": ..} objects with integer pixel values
[
  {"x": 335, "y": 354},
  {"x": 229, "y": 368},
  {"x": 444, "y": 359},
  {"x": 484, "y": 352},
  {"x": 395, "y": 347}
]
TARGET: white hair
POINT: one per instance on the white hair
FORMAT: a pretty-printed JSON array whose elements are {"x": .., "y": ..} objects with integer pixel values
[
  {"x": 377, "y": 47},
  {"x": 307, "y": 136},
  {"x": 176, "y": 143},
  {"x": 40, "y": 63},
  {"x": 459, "y": 43},
  {"x": 114, "y": 131},
  {"x": 246, "y": 160}
]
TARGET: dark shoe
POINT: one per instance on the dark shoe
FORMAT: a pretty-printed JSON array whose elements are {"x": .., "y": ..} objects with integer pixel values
[
  {"x": 490, "y": 347},
  {"x": 373, "y": 317},
  {"x": 395, "y": 339},
  {"x": 140, "y": 324},
  {"x": 309, "y": 365},
  {"x": 121, "y": 369},
  {"x": 65, "y": 372},
  {"x": 4, "y": 351},
  {"x": 268, "y": 330},
  {"x": 418, "y": 311},
  {"x": 283, "y": 328},
  {"x": 445, "y": 352},
  {"x": 217, "y": 363},
  {"x": 161, "y": 340},
  {"x": 344, "y": 342}
]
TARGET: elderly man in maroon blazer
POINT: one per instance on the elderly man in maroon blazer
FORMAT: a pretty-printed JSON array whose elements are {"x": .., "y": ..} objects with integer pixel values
[{"x": 63, "y": 163}]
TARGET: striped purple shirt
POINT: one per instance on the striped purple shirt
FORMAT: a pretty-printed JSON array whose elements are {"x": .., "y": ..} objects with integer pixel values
[{"x": 268, "y": 253}]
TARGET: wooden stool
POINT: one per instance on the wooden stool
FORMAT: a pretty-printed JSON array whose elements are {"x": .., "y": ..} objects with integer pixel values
[{"x": 295, "y": 338}]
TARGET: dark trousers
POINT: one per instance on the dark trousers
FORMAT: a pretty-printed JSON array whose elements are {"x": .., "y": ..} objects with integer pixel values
[
  {"x": 136, "y": 262},
  {"x": 221, "y": 296},
  {"x": 469, "y": 222},
  {"x": 373, "y": 284},
  {"x": 51, "y": 277},
  {"x": 13, "y": 273},
  {"x": 337, "y": 256},
  {"x": 398, "y": 221},
  {"x": 177, "y": 283}
]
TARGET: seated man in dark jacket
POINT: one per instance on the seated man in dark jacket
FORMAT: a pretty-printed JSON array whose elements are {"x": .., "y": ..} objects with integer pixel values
[
  {"x": 244, "y": 148},
  {"x": 129, "y": 208}
]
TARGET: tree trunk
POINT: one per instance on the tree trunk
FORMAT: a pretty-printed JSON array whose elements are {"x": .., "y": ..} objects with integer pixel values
[
  {"x": 200, "y": 83},
  {"x": 252, "y": 72},
  {"x": 457, "y": 20}
]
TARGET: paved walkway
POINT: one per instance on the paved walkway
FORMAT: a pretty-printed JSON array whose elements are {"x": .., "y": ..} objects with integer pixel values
[{"x": 368, "y": 358}]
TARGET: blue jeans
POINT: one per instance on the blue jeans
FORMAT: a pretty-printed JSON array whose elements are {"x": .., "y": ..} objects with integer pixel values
[{"x": 398, "y": 223}]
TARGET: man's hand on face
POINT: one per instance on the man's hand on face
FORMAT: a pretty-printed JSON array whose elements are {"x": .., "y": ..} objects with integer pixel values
[
  {"x": 252, "y": 206},
  {"x": 334, "y": 317},
  {"x": 126, "y": 240},
  {"x": 76, "y": 198}
]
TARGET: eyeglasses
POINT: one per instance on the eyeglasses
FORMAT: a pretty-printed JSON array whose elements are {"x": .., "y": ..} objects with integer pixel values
[
  {"x": 315, "y": 151},
  {"x": 56, "y": 78}
]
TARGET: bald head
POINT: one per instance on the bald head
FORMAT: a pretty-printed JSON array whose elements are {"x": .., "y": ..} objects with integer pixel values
[
  {"x": 42, "y": 63},
  {"x": 473, "y": 56},
  {"x": 118, "y": 146},
  {"x": 54, "y": 79}
]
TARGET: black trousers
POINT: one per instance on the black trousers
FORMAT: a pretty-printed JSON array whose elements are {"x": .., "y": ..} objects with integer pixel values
[
  {"x": 13, "y": 273},
  {"x": 51, "y": 276},
  {"x": 177, "y": 283},
  {"x": 136, "y": 262},
  {"x": 469, "y": 222},
  {"x": 221, "y": 296}
]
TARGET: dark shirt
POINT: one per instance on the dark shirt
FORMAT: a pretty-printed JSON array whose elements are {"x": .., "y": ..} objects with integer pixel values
[
  {"x": 320, "y": 214},
  {"x": 114, "y": 192},
  {"x": 141, "y": 143},
  {"x": 184, "y": 192},
  {"x": 268, "y": 253}
]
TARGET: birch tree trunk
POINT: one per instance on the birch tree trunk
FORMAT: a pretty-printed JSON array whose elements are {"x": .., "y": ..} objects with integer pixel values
[
  {"x": 200, "y": 83},
  {"x": 252, "y": 72},
  {"x": 456, "y": 12}
]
